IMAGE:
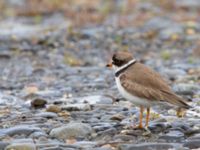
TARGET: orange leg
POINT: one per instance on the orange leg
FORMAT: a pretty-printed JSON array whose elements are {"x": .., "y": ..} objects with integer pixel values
[
  {"x": 147, "y": 117},
  {"x": 141, "y": 116}
]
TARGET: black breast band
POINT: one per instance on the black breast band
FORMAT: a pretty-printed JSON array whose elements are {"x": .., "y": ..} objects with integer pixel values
[{"x": 124, "y": 68}]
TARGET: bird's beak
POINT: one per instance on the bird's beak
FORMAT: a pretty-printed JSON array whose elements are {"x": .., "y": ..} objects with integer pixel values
[{"x": 109, "y": 65}]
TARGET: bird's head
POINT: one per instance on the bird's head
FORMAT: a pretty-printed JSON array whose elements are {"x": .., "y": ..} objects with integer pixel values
[{"x": 119, "y": 59}]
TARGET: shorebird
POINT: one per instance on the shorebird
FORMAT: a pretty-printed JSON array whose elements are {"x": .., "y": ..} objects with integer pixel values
[{"x": 141, "y": 85}]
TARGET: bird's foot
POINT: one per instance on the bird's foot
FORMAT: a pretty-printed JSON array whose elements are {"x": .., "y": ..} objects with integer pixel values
[
  {"x": 134, "y": 127},
  {"x": 180, "y": 112}
]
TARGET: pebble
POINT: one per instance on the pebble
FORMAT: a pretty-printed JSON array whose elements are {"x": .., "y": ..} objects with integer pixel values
[
  {"x": 21, "y": 146},
  {"x": 53, "y": 108},
  {"x": 72, "y": 130},
  {"x": 117, "y": 117},
  {"x": 38, "y": 103}
]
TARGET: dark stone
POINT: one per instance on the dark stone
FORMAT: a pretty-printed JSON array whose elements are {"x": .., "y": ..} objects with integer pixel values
[{"x": 38, "y": 103}]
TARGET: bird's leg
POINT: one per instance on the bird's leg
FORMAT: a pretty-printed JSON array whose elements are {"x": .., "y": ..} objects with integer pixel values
[
  {"x": 141, "y": 116},
  {"x": 147, "y": 117}
]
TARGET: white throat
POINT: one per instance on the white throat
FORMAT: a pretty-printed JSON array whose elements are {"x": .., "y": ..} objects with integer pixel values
[{"x": 124, "y": 66}]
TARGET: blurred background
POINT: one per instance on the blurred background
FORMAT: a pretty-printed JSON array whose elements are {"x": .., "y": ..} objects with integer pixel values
[{"x": 70, "y": 29}]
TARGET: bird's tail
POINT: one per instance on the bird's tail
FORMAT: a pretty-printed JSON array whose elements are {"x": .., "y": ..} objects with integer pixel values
[{"x": 172, "y": 98}]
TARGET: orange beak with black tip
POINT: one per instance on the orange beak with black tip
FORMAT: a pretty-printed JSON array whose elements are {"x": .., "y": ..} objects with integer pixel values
[{"x": 109, "y": 65}]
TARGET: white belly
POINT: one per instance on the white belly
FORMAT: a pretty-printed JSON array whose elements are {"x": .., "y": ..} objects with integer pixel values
[{"x": 133, "y": 99}]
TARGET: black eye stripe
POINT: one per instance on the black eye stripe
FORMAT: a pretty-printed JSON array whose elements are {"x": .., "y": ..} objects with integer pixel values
[{"x": 119, "y": 62}]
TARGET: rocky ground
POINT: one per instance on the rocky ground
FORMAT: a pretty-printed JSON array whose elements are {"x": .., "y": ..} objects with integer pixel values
[{"x": 57, "y": 94}]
